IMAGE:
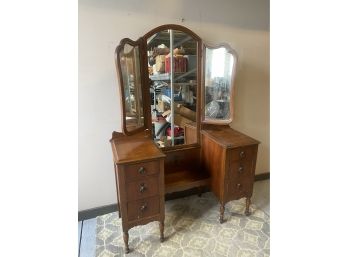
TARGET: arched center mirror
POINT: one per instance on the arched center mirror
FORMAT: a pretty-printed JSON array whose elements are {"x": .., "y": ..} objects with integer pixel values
[{"x": 174, "y": 79}]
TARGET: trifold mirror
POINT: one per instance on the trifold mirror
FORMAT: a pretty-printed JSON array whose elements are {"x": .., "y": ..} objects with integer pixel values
[{"x": 165, "y": 89}]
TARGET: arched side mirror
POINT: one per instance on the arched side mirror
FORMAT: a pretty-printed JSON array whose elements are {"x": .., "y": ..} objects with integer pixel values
[
  {"x": 130, "y": 67},
  {"x": 218, "y": 84}
]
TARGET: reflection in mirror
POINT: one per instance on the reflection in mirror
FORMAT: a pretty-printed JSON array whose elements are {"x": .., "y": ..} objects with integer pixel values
[
  {"x": 173, "y": 87},
  {"x": 132, "y": 90},
  {"x": 219, "y": 73}
]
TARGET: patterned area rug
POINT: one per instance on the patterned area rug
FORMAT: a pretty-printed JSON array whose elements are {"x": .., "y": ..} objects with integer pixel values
[{"x": 191, "y": 229}]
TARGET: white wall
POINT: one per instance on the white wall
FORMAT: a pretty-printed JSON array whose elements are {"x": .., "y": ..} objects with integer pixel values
[{"x": 244, "y": 24}]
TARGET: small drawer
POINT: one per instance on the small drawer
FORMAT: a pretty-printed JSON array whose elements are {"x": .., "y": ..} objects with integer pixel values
[
  {"x": 141, "y": 170},
  {"x": 242, "y": 153},
  {"x": 240, "y": 168},
  {"x": 238, "y": 189},
  {"x": 142, "y": 188},
  {"x": 143, "y": 208}
]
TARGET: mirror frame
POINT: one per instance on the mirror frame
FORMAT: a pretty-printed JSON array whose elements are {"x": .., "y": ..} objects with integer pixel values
[
  {"x": 145, "y": 96},
  {"x": 234, "y": 70},
  {"x": 199, "y": 78}
]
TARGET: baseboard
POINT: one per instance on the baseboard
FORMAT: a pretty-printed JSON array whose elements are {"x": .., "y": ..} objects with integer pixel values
[
  {"x": 94, "y": 212},
  {"x": 262, "y": 176}
]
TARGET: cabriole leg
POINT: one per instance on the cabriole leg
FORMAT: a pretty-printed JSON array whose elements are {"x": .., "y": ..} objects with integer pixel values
[
  {"x": 125, "y": 239},
  {"x": 247, "y": 206},
  {"x": 222, "y": 210},
  {"x": 161, "y": 225}
]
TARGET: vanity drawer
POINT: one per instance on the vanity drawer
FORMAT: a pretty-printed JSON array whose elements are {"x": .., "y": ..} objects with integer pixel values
[
  {"x": 238, "y": 189},
  {"x": 142, "y": 188},
  {"x": 242, "y": 168},
  {"x": 143, "y": 208},
  {"x": 242, "y": 153},
  {"x": 141, "y": 170}
]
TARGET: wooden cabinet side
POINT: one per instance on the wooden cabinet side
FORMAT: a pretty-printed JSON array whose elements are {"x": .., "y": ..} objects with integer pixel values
[{"x": 214, "y": 161}]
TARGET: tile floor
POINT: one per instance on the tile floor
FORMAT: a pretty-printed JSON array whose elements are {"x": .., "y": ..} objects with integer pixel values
[{"x": 86, "y": 228}]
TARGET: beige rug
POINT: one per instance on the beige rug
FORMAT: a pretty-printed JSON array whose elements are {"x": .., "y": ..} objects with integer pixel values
[{"x": 191, "y": 229}]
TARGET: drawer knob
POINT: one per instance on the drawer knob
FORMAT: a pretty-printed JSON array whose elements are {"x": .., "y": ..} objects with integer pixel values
[
  {"x": 141, "y": 170},
  {"x": 142, "y": 187},
  {"x": 143, "y": 207},
  {"x": 241, "y": 169},
  {"x": 239, "y": 186},
  {"x": 242, "y": 154}
]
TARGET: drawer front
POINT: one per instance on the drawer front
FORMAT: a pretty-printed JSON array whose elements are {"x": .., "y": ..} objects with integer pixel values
[
  {"x": 238, "y": 189},
  {"x": 141, "y": 170},
  {"x": 242, "y": 153},
  {"x": 143, "y": 188},
  {"x": 143, "y": 208},
  {"x": 242, "y": 168}
]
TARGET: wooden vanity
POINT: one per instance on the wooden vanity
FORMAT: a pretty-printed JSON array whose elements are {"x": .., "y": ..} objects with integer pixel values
[
  {"x": 230, "y": 158},
  {"x": 139, "y": 173},
  {"x": 177, "y": 104}
]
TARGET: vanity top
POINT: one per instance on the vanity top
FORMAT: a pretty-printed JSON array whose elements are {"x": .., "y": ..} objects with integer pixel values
[
  {"x": 228, "y": 137},
  {"x": 135, "y": 149}
]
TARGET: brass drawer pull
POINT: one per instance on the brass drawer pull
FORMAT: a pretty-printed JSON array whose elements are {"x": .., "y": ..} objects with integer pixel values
[
  {"x": 141, "y": 170},
  {"x": 242, "y": 154},
  {"x": 239, "y": 186},
  {"x": 241, "y": 169},
  {"x": 142, "y": 187},
  {"x": 143, "y": 207}
]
